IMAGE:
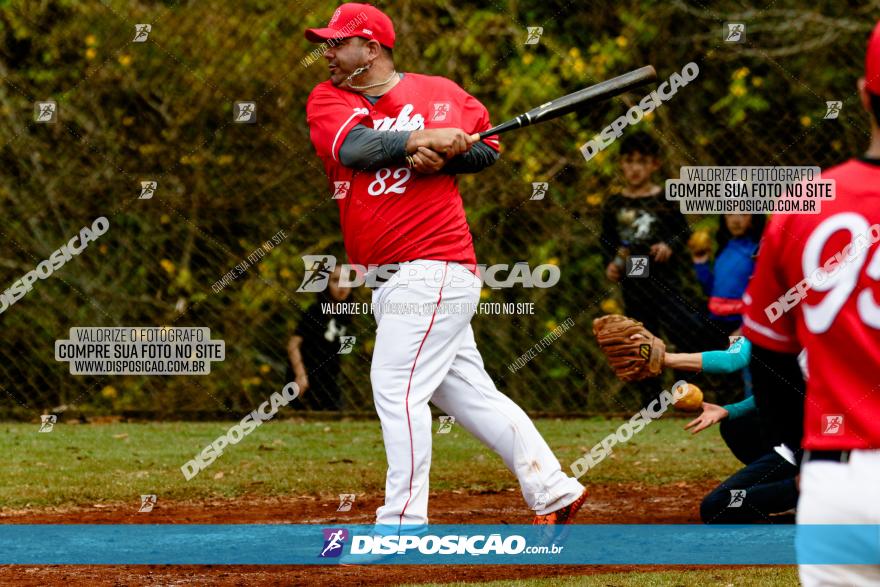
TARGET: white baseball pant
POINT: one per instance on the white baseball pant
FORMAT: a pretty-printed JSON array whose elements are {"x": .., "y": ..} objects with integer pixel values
[
  {"x": 425, "y": 352},
  {"x": 842, "y": 493}
]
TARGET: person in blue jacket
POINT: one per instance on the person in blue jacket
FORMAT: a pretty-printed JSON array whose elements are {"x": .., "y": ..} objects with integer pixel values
[
  {"x": 725, "y": 282},
  {"x": 767, "y": 485}
]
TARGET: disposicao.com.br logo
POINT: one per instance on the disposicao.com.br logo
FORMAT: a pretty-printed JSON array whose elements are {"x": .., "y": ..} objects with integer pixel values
[{"x": 449, "y": 544}]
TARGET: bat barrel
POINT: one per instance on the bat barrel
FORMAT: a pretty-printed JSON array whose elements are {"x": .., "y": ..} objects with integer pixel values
[
  {"x": 577, "y": 100},
  {"x": 595, "y": 93}
]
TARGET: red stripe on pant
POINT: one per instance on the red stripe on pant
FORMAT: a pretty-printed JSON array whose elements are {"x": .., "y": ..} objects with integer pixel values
[{"x": 412, "y": 453}]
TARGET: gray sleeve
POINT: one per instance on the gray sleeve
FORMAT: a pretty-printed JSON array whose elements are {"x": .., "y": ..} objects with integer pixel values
[
  {"x": 367, "y": 149},
  {"x": 477, "y": 159}
]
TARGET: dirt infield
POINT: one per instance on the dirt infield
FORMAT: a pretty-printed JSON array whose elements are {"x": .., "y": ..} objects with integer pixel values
[{"x": 622, "y": 503}]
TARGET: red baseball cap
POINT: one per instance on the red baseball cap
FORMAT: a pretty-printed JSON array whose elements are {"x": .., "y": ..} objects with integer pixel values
[
  {"x": 872, "y": 62},
  {"x": 356, "y": 20}
]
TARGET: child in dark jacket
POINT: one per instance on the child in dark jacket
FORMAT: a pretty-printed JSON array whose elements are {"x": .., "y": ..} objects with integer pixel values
[{"x": 640, "y": 222}]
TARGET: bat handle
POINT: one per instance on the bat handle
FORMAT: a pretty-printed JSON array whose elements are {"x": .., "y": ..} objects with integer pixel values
[{"x": 518, "y": 122}]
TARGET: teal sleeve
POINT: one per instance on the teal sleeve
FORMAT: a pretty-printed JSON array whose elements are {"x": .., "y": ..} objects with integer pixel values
[
  {"x": 728, "y": 361},
  {"x": 740, "y": 409}
]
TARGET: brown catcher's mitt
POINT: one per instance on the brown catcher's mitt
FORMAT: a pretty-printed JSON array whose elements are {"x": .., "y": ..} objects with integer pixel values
[{"x": 631, "y": 359}]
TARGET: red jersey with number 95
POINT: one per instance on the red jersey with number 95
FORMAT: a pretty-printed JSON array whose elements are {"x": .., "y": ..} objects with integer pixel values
[
  {"x": 393, "y": 214},
  {"x": 835, "y": 315}
]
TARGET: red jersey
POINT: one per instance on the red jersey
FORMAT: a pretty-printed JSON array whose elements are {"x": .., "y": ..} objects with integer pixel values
[
  {"x": 394, "y": 215},
  {"x": 837, "y": 321}
]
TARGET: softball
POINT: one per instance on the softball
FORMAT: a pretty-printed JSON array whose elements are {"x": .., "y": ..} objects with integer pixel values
[{"x": 691, "y": 400}]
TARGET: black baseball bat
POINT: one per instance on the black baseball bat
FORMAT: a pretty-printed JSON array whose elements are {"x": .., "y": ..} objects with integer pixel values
[{"x": 577, "y": 100}]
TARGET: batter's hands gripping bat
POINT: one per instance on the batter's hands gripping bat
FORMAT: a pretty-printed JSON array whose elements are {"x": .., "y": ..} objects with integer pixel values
[{"x": 577, "y": 100}]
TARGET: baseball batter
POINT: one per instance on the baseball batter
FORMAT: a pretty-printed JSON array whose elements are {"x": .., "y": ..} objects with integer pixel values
[
  {"x": 838, "y": 324},
  {"x": 392, "y": 144}
]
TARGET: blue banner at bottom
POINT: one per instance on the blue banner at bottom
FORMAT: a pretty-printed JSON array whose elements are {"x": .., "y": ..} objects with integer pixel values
[{"x": 273, "y": 544}]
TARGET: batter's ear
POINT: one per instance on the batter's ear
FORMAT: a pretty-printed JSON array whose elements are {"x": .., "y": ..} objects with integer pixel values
[{"x": 374, "y": 50}]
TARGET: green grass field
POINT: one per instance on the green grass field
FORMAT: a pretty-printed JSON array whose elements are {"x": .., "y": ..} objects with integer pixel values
[
  {"x": 79, "y": 464},
  {"x": 85, "y": 464},
  {"x": 766, "y": 577}
]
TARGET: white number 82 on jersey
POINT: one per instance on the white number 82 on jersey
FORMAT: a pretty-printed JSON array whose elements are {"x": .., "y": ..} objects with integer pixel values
[{"x": 379, "y": 186}]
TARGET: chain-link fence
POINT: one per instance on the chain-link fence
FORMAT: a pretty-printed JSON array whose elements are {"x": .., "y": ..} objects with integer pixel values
[{"x": 160, "y": 109}]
